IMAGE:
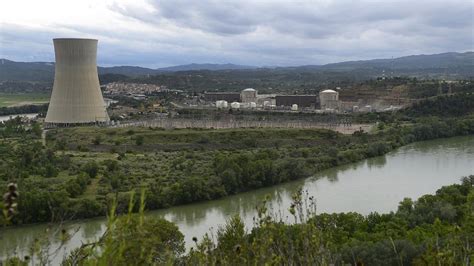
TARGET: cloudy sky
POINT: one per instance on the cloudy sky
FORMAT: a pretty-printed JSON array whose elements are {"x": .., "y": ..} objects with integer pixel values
[{"x": 157, "y": 33}]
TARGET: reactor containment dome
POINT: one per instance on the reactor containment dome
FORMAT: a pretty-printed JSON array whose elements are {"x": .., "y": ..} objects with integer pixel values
[
  {"x": 329, "y": 99},
  {"x": 76, "y": 97}
]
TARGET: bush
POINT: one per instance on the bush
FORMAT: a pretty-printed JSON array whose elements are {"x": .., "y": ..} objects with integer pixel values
[
  {"x": 91, "y": 168},
  {"x": 137, "y": 240},
  {"x": 97, "y": 140},
  {"x": 139, "y": 140}
]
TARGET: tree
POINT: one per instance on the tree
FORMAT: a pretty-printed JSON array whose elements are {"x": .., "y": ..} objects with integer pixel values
[
  {"x": 138, "y": 240},
  {"x": 139, "y": 140},
  {"x": 92, "y": 169},
  {"x": 97, "y": 140},
  {"x": 36, "y": 129}
]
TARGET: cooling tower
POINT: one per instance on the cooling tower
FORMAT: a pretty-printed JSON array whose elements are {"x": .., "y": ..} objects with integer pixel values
[{"x": 76, "y": 97}]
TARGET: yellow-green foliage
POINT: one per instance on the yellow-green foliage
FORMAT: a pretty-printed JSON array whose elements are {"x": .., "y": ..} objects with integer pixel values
[{"x": 424, "y": 232}]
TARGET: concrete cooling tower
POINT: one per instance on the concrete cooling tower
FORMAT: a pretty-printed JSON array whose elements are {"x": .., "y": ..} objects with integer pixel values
[{"x": 76, "y": 97}]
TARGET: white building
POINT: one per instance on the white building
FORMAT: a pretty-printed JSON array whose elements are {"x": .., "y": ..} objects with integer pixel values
[
  {"x": 248, "y": 95},
  {"x": 329, "y": 99},
  {"x": 235, "y": 105},
  {"x": 221, "y": 104}
]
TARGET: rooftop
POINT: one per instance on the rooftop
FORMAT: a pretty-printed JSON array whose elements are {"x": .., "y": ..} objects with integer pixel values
[{"x": 329, "y": 91}]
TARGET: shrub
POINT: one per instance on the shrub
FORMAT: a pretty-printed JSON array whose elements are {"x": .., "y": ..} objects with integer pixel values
[
  {"x": 91, "y": 168},
  {"x": 139, "y": 140}
]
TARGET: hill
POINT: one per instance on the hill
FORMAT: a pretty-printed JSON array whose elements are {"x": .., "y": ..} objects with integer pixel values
[
  {"x": 444, "y": 60},
  {"x": 44, "y": 71},
  {"x": 26, "y": 71},
  {"x": 446, "y": 65},
  {"x": 213, "y": 67}
]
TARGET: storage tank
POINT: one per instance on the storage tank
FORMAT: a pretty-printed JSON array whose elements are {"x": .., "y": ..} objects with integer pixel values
[
  {"x": 76, "y": 97},
  {"x": 235, "y": 105},
  {"x": 248, "y": 95},
  {"x": 329, "y": 99},
  {"x": 221, "y": 104},
  {"x": 253, "y": 105},
  {"x": 294, "y": 107}
]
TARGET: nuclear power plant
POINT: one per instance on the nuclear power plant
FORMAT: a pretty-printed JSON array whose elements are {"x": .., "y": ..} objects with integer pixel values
[{"x": 76, "y": 97}]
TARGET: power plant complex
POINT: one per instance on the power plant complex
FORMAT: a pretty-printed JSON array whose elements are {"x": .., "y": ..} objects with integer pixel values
[
  {"x": 327, "y": 100},
  {"x": 76, "y": 97}
]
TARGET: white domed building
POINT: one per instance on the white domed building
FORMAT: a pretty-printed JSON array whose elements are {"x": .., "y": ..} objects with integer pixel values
[
  {"x": 248, "y": 95},
  {"x": 329, "y": 99}
]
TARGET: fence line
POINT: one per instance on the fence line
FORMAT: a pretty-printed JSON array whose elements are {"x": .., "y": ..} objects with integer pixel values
[{"x": 170, "y": 123}]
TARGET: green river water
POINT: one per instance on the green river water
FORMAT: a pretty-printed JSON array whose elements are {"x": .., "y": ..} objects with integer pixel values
[{"x": 376, "y": 184}]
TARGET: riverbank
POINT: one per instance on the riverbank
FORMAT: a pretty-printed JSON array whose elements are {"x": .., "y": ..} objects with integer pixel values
[
  {"x": 376, "y": 184},
  {"x": 82, "y": 170}
]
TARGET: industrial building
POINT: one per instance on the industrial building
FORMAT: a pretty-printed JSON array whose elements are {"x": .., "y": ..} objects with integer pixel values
[
  {"x": 299, "y": 100},
  {"x": 235, "y": 105},
  {"x": 222, "y": 104},
  {"x": 222, "y": 96},
  {"x": 326, "y": 101},
  {"x": 329, "y": 99},
  {"x": 248, "y": 95},
  {"x": 76, "y": 97}
]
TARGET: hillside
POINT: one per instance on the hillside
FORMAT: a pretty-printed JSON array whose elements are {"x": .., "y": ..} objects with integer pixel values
[
  {"x": 191, "y": 67},
  {"x": 444, "y": 60},
  {"x": 445, "y": 65},
  {"x": 44, "y": 71}
]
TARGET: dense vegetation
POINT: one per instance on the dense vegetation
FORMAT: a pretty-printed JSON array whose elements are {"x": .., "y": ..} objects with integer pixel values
[
  {"x": 433, "y": 230},
  {"x": 449, "y": 106},
  {"x": 24, "y": 109},
  {"x": 81, "y": 170},
  {"x": 87, "y": 171}
]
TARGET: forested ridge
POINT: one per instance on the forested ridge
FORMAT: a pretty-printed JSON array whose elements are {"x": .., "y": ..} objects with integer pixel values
[{"x": 447, "y": 106}]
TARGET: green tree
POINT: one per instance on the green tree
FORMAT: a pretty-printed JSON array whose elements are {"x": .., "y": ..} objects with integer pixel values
[
  {"x": 139, "y": 140},
  {"x": 138, "y": 240},
  {"x": 91, "y": 168}
]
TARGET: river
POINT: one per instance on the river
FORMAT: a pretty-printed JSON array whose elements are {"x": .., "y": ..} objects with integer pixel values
[
  {"x": 375, "y": 184},
  {"x": 8, "y": 117}
]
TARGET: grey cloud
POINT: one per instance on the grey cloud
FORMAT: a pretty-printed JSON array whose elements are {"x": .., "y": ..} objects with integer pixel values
[
  {"x": 267, "y": 32},
  {"x": 241, "y": 17}
]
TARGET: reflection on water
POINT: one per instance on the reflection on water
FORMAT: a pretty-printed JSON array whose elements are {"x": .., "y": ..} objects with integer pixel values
[
  {"x": 90, "y": 229},
  {"x": 376, "y": 184},
  {"x": 377, "y": 162}
]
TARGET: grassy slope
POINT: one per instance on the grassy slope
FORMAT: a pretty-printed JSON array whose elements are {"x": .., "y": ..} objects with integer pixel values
[{"x": 12, "y": 99}]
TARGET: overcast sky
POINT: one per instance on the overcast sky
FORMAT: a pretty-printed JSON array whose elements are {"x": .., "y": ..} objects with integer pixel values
[{"x": 155, "y": 33}]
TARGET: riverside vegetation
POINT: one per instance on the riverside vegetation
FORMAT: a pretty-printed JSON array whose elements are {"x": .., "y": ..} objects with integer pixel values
[
  {"x": 82, "y": 170},
  {"x": 433, "y": 230}
]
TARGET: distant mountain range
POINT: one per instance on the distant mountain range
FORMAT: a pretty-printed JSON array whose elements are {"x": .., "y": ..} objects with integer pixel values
[
  {"x": 461, "y": 64},
  {"x": 44, "y": 71},
  {"x": 444, "y": 60},
  {"x": 214, "y": 67}
]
